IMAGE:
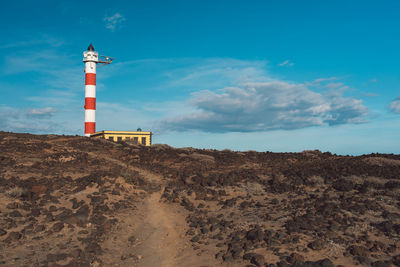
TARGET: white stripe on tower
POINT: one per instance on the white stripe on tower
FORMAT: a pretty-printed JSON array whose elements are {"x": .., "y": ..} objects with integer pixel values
[{"x": 90, "y": 59}]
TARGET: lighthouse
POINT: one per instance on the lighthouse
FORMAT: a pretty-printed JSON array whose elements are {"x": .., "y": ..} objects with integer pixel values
[{"x": 91, "y": 59}]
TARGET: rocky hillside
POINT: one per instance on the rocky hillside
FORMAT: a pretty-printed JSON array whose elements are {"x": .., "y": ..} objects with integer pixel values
[{"x": 75, "y": 201}]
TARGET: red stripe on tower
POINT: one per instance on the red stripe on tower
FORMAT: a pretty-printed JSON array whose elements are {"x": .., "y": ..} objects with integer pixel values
[
  {"x": 90, "y": 79},
  {"x": 90, "y": 103},
  {"x": 90, "y": 127}
]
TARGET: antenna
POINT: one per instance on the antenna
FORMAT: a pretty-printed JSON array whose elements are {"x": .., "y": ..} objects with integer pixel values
[{"x": 104, "y": 60}]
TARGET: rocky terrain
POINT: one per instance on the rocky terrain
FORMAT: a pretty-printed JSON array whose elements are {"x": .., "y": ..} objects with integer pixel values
[{"x": 76, "y": 201}]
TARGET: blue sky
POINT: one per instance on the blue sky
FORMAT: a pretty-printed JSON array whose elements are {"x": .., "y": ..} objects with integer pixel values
[{"x": 243, "y": 75}]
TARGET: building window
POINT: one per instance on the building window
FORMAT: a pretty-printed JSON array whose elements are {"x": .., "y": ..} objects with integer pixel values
[
  {"x": 119, "y": 138},
  {"x": 143, "y": 140},
  {"x": 135, "y": 140},
  {"x": 111, "y": 138},
  {"x": 127, "y": 138}
]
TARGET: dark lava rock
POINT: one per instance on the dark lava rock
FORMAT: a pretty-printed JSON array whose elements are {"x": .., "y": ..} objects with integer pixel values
[
  {"x": 343, "y": 185},
  {"x": 15, "y": 213},
  {"x": 325, "y": 263},
  {"x": 283, "y": 264},
  {"x": 98, "y": 219},
  {"x": 40, "y": 228},
  {"x": 219, "y": 255},
  {"x": 35, "y": 212},
  {"x": 132, "y": 239},
  {"x": 227, "y": 257},
  {"x": 358, "y": 251},
  {"x": 13, "y": 236},
  {"x": 365, "y": 261},
  {"x": 388, "y": 227},
  {"x": 56, "y": 257},
  {"x": 52, "y": 208},
  {"x": 381, "y": 264},
  {"x": 320, "y": 263},
  {"x": 248, "y": 256},
  {"x": 93, "y": 248},
  {"x": 204, "y": 230},
  {"x": 255, "y": 235},
  {"x": 317, "y": 244},
  {"x": 236, "y": 251},
  {"x": 2, "y": 232},
  {"x": 258, "y": 260},
  {"x": 294, "y": 257},
  {"x": 57, "y": 227},
  {"x": 195, "y": 238},
  {"x": 13, "y": 205},
  {"x": 396, "y": 260}
]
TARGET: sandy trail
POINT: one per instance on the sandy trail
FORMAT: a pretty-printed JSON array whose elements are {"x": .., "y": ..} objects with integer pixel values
[
  {"x": 161, "y": 234},
  {"x": 151, "y": 235},
  {"x": 156, "y": 229},
  {"x": 154, "y": 233}
]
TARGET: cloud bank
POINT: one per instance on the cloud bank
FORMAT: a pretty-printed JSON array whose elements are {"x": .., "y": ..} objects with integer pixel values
[
  {"x": 286, "y": 63},
  {"x": 395, "y": 105},
  {"x": 28, "y": 120},
  {"x": 40, "y": 113},
  {"x": 266, "y": 106}
]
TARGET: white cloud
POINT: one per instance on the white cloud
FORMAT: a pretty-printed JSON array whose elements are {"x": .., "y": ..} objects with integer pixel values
[
  {"x": 267, "y": 106},
  {"x": 217, "y": 72},
  {"x": 286, "y": 63},
  {"x": 40, "y": 113},
  {"x": 395, "y": 105},
  {"x": 31, "y": 120},
  {"x": 319, "y": 80},
  {"x": 114, "y": 21},
  {"x": 43, "y": 39}
]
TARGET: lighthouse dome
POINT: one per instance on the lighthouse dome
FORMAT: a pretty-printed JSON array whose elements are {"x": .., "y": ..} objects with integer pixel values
[{"x": 90, "y": 48}]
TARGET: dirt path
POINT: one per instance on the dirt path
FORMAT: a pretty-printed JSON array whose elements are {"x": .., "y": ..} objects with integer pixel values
[
  {"x": 154, "y": 233},
  {"x": 161, "y": 233},
  {"x": 151, "y": 235}
]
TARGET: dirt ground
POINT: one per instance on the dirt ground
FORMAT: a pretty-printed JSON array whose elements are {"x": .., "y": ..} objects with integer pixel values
[{"x": 75, "y": 201}]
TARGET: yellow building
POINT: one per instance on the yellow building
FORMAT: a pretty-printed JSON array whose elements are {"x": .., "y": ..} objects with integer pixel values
[{"x": 137, "y": 137}]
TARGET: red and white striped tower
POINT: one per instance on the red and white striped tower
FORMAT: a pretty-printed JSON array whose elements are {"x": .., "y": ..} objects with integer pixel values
[{"x": 91, "y": 58}]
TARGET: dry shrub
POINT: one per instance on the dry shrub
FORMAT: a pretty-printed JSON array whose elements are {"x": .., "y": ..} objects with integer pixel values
[
  {"x": 254, "y": 188},
  {"x": 161, "y": 147},
  {"x": 316, "y": 180},
  {"x": 375, "y": 180},
  {"x": 15, "y": 192},
  {"x": 187, "y": 149},
  {"x": 355, "y": 179},
  {"x": 202, "y": 157},
  {"x": 380, "y": 161},
  {"x": 334, "y": 249},
  {"x": 131, "y": 178},
  {"x": 312, "y": 153}
]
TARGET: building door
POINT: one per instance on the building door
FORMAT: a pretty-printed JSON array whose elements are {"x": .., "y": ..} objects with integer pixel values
[
  {"x": 119, "y": 138},
  {"x": 127, "y": 138},
  {"x": 135, "y": 140},
  {"x": 143, "y": 140}
]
